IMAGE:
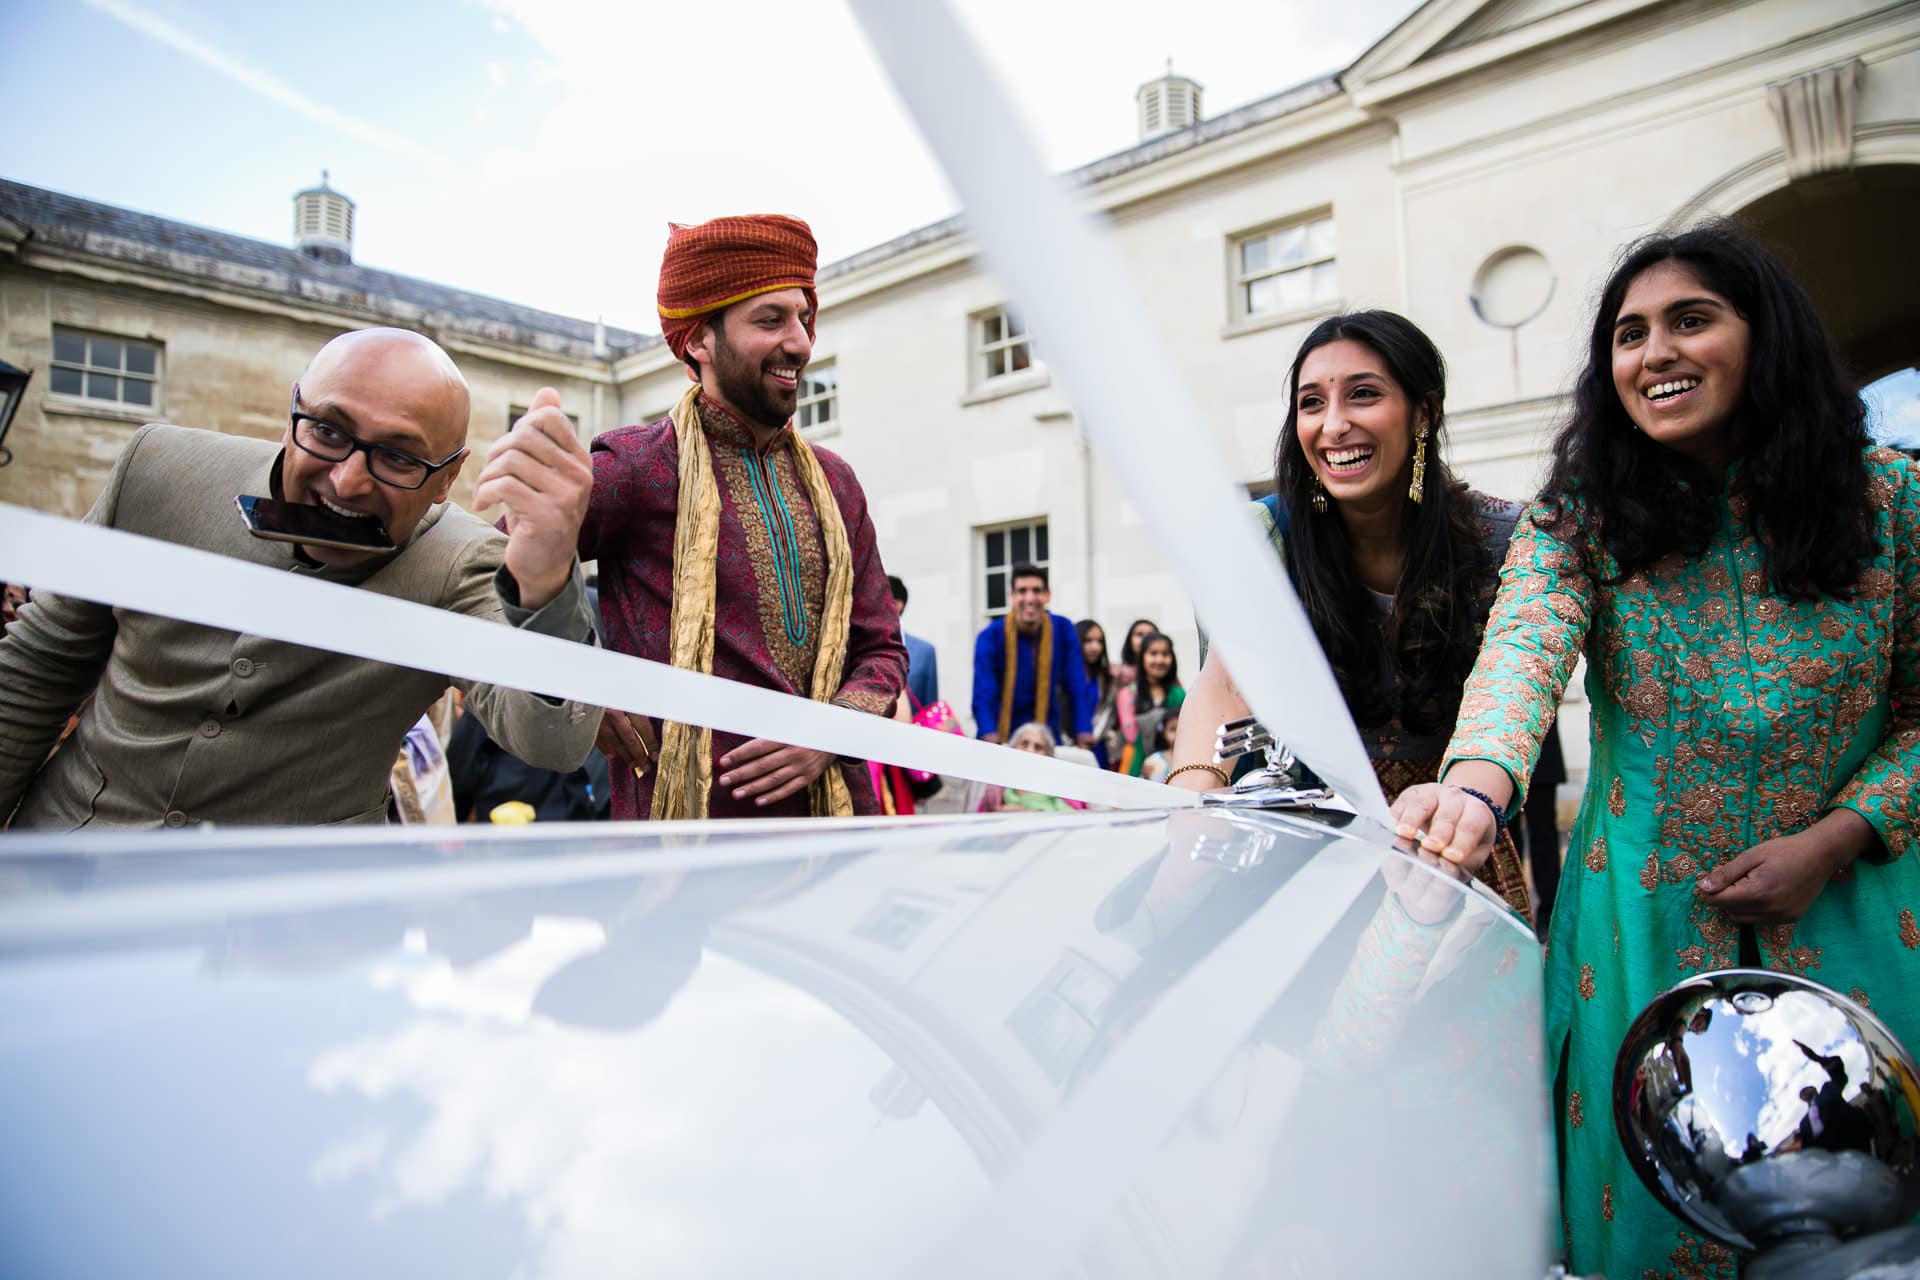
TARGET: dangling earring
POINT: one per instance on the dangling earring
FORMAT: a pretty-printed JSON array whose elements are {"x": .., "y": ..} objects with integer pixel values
[
  {"x": 1418, "y": 489},
  {"x": 1319, "y": 497}
]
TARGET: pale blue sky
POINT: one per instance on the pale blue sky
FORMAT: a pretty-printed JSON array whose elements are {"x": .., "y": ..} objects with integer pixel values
[
  {"x": 536, "y": 149},
  {"x": 1893, "y": 409}
]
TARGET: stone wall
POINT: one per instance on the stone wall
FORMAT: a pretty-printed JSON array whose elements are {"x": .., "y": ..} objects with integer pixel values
[{"x": 223, "y": 367}]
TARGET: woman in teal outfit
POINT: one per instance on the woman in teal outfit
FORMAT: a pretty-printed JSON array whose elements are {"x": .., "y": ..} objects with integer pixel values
[{"x": 1742, "y": 571}]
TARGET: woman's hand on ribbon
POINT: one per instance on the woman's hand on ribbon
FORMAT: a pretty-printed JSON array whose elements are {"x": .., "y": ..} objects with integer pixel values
[{"x": 1443, "y": 819}]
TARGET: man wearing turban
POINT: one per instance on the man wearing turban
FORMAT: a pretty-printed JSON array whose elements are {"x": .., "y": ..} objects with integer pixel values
[{"x": 728, "y": 544}]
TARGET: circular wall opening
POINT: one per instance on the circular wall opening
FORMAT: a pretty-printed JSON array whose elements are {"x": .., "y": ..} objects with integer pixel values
[{"x": 1512, "y": 287}]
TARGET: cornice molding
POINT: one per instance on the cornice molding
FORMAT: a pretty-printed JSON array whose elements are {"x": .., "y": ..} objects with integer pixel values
[
  {"x": 13, "y": 235},
  {"x": 1374, "y": 84}
]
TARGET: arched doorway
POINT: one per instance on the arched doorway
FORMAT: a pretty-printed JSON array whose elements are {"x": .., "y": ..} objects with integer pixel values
[{"x": 1848, "y": 237}]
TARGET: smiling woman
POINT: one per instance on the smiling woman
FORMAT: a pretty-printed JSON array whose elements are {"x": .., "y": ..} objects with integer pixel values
[
  {"x": 1742, "y": 570},
  {"x": 1396, "y": 561}
]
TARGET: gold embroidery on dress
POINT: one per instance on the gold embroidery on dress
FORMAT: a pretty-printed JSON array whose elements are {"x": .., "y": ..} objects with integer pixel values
[
  {"x": 1650, "y": 873},
  {"x": 1617, "y": 798},
  {"x": 1721, "y": 936},
  {"x": 1859, "y": 997},
  {"x": 1909, "y": 931},
  {"x": 1695, "y": 1259},
  {"x": 1606, "y": 1202},
  {"x": 1586, "y": 982},
  {"x": 1778, "y": 940},
  {"x": 1811, "y": 671},
  {"x": 1794, "y": 808},
  {"x": 1576, "y": 1110},
  {"x": 1597, "y": 855},
  {"x": 1700, "y": 804}
]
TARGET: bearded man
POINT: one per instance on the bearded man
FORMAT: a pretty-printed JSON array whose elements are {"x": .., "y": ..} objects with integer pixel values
[
  {"x": 727, "y": 544},
  {"x": 1027, "y": 667}
]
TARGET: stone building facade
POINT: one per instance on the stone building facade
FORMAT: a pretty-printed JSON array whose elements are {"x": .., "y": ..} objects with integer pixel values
[{"x": 127, "y": 318}]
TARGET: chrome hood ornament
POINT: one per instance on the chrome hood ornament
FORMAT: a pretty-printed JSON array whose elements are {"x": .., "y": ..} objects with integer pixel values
[
  {"x": 1778, "y": 1117},
  {"x": 1281, "y": 782}
]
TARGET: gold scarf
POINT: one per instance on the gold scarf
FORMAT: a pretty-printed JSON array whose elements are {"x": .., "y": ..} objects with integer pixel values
[
  {"x": 685, "y": 778},
  {"x": 1042, "y": 673}
]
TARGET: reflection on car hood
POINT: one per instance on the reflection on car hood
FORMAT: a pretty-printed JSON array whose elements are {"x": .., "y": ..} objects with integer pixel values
[{"x": 1105, "y": 1045}]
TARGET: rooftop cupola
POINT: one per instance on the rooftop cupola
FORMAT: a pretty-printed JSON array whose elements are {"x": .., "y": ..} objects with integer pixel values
[
  {"x": 1167, "y": 105},
  {"x": 323, "y": 223}
]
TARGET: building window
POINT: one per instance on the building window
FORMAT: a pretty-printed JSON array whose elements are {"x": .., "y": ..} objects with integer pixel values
[
  {"x": 1000, "y": 345},
  {"x": 515, "y": 412},
  {"x": 1004, "y": 547},
  {"x": 1283, "y": 269},
  {"x": 118, "y": 371},
  {"x": 1056, "y": 1022},
  {"x": 819, "y": 396},
  {"x": 896, "y": 922}
]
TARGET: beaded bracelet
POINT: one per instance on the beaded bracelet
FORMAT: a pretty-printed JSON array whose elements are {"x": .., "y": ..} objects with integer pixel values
[
  {"x": 1213, "y": 769},
  {"x": 1499, "y": 818}
]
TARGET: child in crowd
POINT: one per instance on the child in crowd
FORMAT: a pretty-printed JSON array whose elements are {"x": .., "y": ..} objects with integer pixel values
[{"x": 1154, "y": 768}]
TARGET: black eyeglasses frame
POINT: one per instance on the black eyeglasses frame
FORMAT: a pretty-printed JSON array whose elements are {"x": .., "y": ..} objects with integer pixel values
[{"x": 358, "y": 445}]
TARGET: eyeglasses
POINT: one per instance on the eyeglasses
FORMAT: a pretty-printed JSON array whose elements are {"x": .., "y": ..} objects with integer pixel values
[{"x": 330, "y": 443}]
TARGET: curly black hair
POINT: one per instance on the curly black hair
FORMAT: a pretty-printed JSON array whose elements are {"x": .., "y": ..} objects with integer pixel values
[
  {"x": 1799, "y": 429},
  {"x": 1417, "y": 664}
]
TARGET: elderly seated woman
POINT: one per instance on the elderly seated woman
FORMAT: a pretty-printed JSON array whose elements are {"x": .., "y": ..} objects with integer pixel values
[{"x": 1038, "y": 739}]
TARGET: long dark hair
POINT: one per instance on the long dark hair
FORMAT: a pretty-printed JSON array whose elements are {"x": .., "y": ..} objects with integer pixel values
[
  {"x": 1142, "y": 693},
  {"x": 1101, "y": 673},
  {"x": 1129, "y": 651},
  {"x": 1799, "y": 428},
  {"x": 1418, "y": 664}
]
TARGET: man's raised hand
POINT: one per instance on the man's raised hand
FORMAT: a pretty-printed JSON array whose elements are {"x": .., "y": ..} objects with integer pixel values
[{"x": 543, "y": 475}]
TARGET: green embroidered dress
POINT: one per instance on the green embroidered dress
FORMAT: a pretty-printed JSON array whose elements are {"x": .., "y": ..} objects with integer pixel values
[{"x": 1724, "y": 715}]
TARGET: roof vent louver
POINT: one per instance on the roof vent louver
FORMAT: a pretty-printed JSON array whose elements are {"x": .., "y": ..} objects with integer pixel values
[
  {"x": 1167, "y": 105},
  {"x": 323, "y": 223}
]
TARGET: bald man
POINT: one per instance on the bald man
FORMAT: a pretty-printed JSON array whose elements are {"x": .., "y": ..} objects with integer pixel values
[{"x": 189, "y": 724}]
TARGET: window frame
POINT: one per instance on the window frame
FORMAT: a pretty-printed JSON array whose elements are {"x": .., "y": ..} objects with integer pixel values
[
  {"x": 1037, "y": 531},
  {"x": 88, "y": 370},
  {"x": 1014, "y": 334},
  {"x": 829, "y": 425},
  {"x": 515, "y": 412},
  {"x": 1240, "y": 281}
]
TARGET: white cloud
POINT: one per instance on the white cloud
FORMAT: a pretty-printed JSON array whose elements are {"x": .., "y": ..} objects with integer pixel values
[
  {"x": 647, "y": 114},
  {"x": 1893, "y": 409},
  {"x": 260, "y": 82}
]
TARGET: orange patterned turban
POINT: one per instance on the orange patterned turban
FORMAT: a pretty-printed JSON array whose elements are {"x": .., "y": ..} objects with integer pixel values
[{"x": 716, "y": 264}]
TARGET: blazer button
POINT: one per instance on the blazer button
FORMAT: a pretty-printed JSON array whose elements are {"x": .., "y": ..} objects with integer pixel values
[
  {"x": 176, "y": 819},
  {"x": 243, "y": 667},
  {"x": 210, "y": 729}
]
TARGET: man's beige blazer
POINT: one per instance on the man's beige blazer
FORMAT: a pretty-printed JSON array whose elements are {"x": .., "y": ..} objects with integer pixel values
[{"x": 189, "y": 724}]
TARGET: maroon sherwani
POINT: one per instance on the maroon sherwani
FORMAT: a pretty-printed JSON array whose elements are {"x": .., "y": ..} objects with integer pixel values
[{"x": 770, "y": 582}]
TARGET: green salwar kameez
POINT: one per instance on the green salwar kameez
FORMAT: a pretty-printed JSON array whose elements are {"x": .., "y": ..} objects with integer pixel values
[{"x": 1723, "y": 715}]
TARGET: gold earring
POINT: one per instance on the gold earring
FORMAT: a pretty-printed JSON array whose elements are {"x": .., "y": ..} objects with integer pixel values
[
  {"x": 1418, "y": 489},
  {"x": 1319, "y": 497}
]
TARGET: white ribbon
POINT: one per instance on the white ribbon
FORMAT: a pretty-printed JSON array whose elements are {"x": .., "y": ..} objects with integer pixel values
[
  {"x": 127, "y": 571},
  {"x": 1073, "y": 289}
]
